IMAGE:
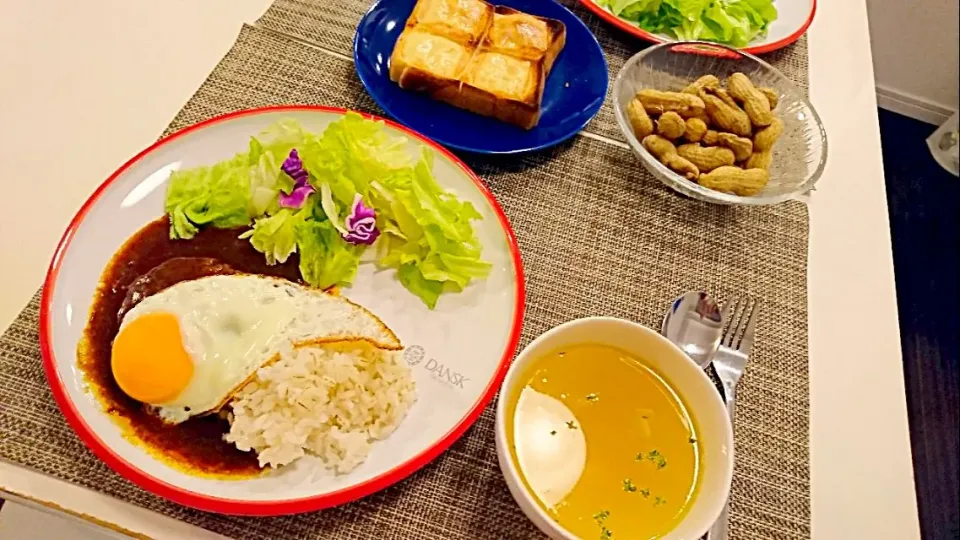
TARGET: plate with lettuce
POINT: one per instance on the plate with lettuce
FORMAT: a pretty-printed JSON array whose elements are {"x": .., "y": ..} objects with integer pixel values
[
  {"x": 338, "y": 202},
  {"x": 756, "y": 26}
]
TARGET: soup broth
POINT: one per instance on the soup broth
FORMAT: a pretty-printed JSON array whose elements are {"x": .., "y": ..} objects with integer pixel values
[{"x": 604, "y": 444}]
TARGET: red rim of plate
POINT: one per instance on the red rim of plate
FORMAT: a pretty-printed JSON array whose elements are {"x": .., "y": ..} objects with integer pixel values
[
  {"x": 287, "y": 506},
  {"x": 643, "y": 34}
]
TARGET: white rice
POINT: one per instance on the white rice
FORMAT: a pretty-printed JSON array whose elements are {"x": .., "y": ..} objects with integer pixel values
[{"x": 329, "y": 401}]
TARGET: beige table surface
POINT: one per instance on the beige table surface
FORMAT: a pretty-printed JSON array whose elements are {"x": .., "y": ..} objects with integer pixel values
[{"x": 86, "y": 85}]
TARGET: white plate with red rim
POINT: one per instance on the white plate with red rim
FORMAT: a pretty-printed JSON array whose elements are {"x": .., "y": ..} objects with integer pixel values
[
  {"x": 458, "y": 353},
  {"x": 793, "y": 19}
]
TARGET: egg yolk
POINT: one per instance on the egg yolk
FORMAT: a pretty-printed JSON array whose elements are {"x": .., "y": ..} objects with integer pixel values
[{"x": 149, "y": 361}]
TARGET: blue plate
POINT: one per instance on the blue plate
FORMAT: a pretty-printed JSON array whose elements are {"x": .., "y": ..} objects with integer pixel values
[{"x": 573, "y": 94}]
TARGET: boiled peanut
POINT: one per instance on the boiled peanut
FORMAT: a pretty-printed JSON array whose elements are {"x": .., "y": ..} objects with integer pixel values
[
  {"x": 707, "y": 81},
  {"x": 767, "y": 137},
  {"x": 772, "y": 96},
  {"x": 695, "y": 130},
  {"x": 640, "y": 121},
  {"x": 671, "y": 125},
  {"x": 658, "y": 102},
  {"x": 666, "y": 152},
  {"x": 701, "y": 116},
  {"x": 658, "y": 146},
  {"x": 724, "y": 96},
  {"x": 744, "y": 182},
  {"x": 755, "y": 104},
  {"x": 706, "y": 159},
  {"x": 759, "y": 160},
  {"x": 742, "y": 147},
  {"x": 681, "y": 165},
  {"x": 726, "y": 117}
]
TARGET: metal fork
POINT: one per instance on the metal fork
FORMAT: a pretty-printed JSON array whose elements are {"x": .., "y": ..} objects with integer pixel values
[{"x": 729, "y": 363}]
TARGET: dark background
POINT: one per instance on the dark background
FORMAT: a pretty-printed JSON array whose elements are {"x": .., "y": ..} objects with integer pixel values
[{"x": 924, "y": 205}]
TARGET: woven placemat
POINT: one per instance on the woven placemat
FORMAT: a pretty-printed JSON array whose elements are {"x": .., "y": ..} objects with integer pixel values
[{"x": 557, "y": 202}]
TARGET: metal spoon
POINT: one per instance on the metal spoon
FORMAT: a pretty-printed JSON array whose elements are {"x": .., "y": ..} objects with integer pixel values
[{"x": 695, "y": 324}]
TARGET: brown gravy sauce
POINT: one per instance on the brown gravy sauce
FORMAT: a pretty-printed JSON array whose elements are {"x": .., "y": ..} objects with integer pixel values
[{"x": 146, "y": 264}]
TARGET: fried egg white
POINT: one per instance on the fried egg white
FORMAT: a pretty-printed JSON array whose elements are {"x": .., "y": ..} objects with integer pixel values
[{"x": 187, "y": 349}]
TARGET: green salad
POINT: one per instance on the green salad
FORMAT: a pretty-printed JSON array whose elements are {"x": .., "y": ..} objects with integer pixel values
[
  {"x": 332, "y": 196},
  {"x": 732, "y": 22}
]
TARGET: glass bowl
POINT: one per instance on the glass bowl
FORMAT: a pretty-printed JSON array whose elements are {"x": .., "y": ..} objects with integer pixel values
[{"x": 798, "y": 156}]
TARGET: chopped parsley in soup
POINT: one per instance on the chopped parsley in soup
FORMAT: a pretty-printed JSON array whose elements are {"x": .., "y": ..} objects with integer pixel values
[{"x": 604, "y": 443}]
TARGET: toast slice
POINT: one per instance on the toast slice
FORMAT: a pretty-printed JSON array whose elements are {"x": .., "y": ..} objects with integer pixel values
[
  {"x": 491, "y": 61},
  {"x": 525, "y": 36},
  {"x": 464, "y": 21},
  {"x": 426, "y": 62},
  {"x": 505, "y": 87}
]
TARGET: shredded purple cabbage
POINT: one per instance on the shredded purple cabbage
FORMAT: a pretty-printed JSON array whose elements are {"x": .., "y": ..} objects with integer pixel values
[
  {"x": 296, "y": 198},
  {"x": 293, "y": 167},
  {"x": 361, "y": 223}
]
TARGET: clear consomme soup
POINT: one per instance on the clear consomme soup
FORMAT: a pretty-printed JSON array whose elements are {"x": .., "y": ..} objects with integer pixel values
[{"x": 603, "y": 443}]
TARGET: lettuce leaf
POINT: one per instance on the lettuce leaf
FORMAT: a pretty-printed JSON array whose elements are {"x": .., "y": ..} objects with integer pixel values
[
  {"x": 436, "y": 237},
  {"x": 426, "y": 232},
  {"x": 427, "y": 290},
  {"x": 733, "y": 22},
  {"x": 217, "y": 195},
  {"x": 276, "y": 236},
  {"x": 235, "y": 191},
  {"x": 326, "y": 259}
]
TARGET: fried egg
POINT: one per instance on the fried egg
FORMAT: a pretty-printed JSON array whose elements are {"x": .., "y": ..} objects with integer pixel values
[{"x": 187, "y": 349}]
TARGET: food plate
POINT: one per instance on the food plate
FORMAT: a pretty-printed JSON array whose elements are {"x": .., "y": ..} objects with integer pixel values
[
  {"x": 573, "y": 94},
  {"x": 793, "y": 19},
  {"x": 457, "y": 353}
]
